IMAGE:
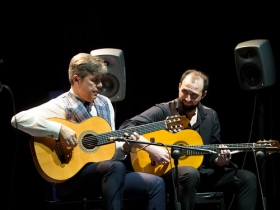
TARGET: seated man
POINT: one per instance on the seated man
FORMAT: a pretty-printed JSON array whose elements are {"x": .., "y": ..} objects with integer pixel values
[{"x": 216, "y": 173}]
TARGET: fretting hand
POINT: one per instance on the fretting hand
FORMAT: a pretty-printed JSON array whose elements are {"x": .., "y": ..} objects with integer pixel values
[{"x": 223, "y": 157}]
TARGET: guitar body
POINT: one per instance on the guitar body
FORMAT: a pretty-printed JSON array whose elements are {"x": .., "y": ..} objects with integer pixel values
[
  {"x": 57, "y": 168},
  {"x": 141, "y": 161}
]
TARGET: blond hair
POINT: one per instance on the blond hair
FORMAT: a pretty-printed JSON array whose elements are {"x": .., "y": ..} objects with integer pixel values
[{"x": 84, "y": 64}]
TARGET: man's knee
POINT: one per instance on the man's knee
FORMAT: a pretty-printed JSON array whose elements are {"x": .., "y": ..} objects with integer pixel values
[
  {"x": 189, "y": 175},
  {"x": 117, "y": 167}
]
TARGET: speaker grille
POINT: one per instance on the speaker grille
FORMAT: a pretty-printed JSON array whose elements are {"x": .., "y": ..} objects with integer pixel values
[
  {"x": 110, "y": 85},
  {"x": 251, "y": 74}
]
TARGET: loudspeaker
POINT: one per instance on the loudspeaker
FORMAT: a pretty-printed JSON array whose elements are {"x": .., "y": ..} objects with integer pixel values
[
  {"x": 255, "y": 64},
  {"x": 114, "y": 82}
]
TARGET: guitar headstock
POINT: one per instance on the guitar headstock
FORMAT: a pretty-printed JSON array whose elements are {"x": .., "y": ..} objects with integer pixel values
[
  {"x": 271, "y": 146},
  {"x": 176, "y": 123}
]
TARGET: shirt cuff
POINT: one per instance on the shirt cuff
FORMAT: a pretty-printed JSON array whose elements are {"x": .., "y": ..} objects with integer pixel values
[
  {"x": 53, "y": 129},
  {"x": 119, "y": 155}
]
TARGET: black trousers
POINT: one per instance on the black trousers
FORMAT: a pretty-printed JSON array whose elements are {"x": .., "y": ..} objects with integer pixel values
[
  {"x": 110, "y": 179},
  {"x": 240, "y": 185}
]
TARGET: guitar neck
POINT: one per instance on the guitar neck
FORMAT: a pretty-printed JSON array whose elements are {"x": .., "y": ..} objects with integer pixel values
[
  {"x": 214, "y": 148},
  {"x": 141, "y": 129}
]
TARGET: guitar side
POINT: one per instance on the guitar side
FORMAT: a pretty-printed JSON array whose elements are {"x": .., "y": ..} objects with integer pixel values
[
  {"x": 141, "y": 161},
  {"x": 52, "y": 167}
]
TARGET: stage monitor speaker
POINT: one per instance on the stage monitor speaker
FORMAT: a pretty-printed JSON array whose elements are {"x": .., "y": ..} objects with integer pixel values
[
  {"x": 114, "y": 82},
  {"x": 255, "y": 64}
]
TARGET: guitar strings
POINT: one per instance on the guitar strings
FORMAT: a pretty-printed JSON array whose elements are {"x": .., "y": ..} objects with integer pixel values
[{"x": 104, "y": 138}]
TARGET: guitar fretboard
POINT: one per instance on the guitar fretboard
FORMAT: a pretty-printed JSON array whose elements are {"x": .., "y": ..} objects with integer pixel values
[
  {"x": 104, "y": 138},
  {"x": 214, "y": 148}
]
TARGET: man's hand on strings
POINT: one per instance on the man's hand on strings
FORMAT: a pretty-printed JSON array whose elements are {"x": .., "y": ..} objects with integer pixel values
[
  {"x": 157, "y": 153},
  {"x": 68, "y": 136},
  {"x": 223, "y": 157}
]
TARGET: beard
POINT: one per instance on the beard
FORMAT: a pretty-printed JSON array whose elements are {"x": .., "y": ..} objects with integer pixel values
[{"x": 183, "y": 108}]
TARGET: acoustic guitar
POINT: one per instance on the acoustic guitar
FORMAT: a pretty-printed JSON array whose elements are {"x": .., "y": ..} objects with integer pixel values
[
  {"x": 188, "y": 143},
  {"x": 56, "y": 162}
]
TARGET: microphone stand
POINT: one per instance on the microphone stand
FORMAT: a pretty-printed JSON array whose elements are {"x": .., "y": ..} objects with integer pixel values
[
  {"x": 261, "y": 156},
  {"x": 176, "y": 153},
  {"x": 17, "y": 142}
]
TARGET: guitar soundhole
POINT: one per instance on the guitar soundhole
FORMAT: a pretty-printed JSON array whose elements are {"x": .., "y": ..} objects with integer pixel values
[
  {"x": 89, "y": 141},
  {"x": 181, "y": 143}
]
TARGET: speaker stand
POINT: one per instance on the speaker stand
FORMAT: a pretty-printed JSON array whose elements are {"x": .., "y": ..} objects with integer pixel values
[{"x": 261, "y": 157}]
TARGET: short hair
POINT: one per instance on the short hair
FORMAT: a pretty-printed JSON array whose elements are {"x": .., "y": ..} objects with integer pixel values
[
  {"x": 84, "y": 64},
  {"x": 196, "y": 73}
]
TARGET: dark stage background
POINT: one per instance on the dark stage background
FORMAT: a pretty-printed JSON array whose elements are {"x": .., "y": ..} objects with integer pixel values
[{"x": 159, "y": 42}]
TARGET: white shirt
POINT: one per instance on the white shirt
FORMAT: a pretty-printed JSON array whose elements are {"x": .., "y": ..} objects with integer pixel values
[
  {"x": 35, "y": 121},
  {"x": 194, "y": 118}
]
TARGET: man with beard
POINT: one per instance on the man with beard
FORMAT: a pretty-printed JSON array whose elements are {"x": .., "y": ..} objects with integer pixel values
[{"x": 217, "y": 172}]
